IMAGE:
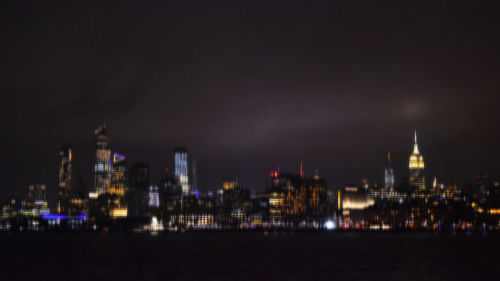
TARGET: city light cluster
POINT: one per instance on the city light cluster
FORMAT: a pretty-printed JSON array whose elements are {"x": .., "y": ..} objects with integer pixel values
[{"x": 124, "y": 198}]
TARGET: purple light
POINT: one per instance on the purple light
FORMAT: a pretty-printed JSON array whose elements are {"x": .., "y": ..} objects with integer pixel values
[
  {"x": 54, "y": 217},
  {"x": 118, "y": 157},
  {"x": 197, "y": 193},
  {"x": 62, "y": 217},
  {"x": 82, "y": 217}
]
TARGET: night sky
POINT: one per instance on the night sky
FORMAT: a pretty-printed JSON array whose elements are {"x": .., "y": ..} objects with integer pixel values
[{"x": 248, "y": 87}]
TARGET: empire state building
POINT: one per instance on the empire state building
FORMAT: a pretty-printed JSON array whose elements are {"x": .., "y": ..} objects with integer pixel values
[{"x": 416, "y": 166}]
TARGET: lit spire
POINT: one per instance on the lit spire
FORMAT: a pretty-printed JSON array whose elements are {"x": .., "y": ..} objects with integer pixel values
[
  {"x": 415, "y": 145},
  {"x": 388, "y": 156}
]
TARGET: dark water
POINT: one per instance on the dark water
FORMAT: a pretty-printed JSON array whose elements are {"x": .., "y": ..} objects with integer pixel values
[{"x": 250, "y": 256}]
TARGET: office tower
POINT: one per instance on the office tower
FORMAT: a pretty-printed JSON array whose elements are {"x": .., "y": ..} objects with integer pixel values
[
  {"x": 389, "y": 174},
  {"x": 194, "y": 176},
  {"x": 118, "y": 187},
  {"x": 416, "y": 167},
  {"x": 170, "y": 187},
  {"x": 64, "y": 179},
  {"x": 139, "y": 182},
  {"x": 37, "y": 192},
  {"x": 36, "y": 203},
  {"x": 103, "y": 165},
  {"x": 288, "y": 196},
  {"x": 235, "y": 200},
  {"x": 316, "y": 195},
  {"x": 153, "y": 197},
  {"x": 181, "y": 169},
  {"x": 119, "y": 179}
]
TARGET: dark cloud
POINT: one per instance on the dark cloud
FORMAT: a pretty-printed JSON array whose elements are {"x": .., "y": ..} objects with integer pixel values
[{"x": 249, "y": 86}]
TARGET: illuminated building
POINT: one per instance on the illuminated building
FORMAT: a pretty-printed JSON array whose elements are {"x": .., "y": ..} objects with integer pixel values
[
  {"x": 288, "y": 195},
  {"x": 353, "y": 201},
  {"x": 228, "y": 184},
  {"x": 416, "y": 167},
  {"x": 78, "y": 204},
  {"x": 118, "y": 187},
  {"x": 316, "y": 195},
  {"x": 64, "y": 179},
  {"x": 194, "y": 176},
  {"x": 295, "y": 197},
  {"x": 170, "y": 192},
  {"x": 153, "y": 197},
  {"x": 181, "y": 169},
  {"x": 103, "y": 164},
  {"x": 389, "y": 174},
  {"x": 12, "y": 208},
  {"x": 236, "y": 200},
  {"x": 170, "y": 186},
  {"x": 36, "y": 203},
  {"x": 354, "y": 198}
]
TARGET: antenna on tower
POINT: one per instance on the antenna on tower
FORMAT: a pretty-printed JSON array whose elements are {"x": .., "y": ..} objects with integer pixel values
[{"x": 301, "y": 170}]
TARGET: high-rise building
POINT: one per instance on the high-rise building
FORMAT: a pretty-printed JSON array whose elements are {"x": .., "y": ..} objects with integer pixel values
[
  {"x": 118, "y": 186},
  {"x": 181, "y": 169},
  {"x": 316, "y": 195},
  {"x": 64, "y": 179},
  {"x": 103, "y": 164},
  {"x": 389, "y": 174},
  {"x": 139, "y": 182},
  {"x": 119, "y": 179},
  {"x": 153, "y": 197},
  {"x": 416, "y": 167},
  {"x": 235, "y": 200},
  {"x": 194, "y": 181},
  {"x": 36, "y": 203},
  {"x": 287, "y": 196}
]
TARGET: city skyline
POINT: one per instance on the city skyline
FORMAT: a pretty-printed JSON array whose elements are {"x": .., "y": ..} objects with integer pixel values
[
  {"x": 179, "y": 159},
  {"x": 249, "y": 140},
  {"x": 332, "y": 85}
]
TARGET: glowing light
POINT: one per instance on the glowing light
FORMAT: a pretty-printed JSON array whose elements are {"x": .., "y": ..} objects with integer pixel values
[
  {"x": 54, "y": 217},
  {"x": 494, "y": 211},
  {"x": 82, "y": 217},
  {"x": 119, "y": 213},
  {"x": 93, "y": 195},
  {"x": 329, "y": 225}
]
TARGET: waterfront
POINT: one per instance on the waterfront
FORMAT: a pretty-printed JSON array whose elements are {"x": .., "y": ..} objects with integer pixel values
[{"x": 249, "y": 256}]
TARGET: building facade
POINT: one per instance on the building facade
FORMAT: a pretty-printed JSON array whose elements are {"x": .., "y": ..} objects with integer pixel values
[
  {"x": 103, "y": 164},
  {"x": 181, "y": 169},
  {"x": 416, "y": 168},
  {"x": 64, "y": 180},
  {"x": 389, "y": 174}
]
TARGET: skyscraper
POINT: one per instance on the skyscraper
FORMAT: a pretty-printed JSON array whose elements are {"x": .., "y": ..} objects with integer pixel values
[
  {"x": 194, "y": 178},
  {"x": 181, "y": 169},
  {"x": 118, "y": 187},
  {"x": 139, "y": 181},
  {"x": 36, "y": 202},
  {"x": 389, "y": 174},
  {"x": 416, "y": 166},
  {"x": 103, "y": 165},
  {"x": 64, "y": 179},
  {"x": 119, "y": 179}
]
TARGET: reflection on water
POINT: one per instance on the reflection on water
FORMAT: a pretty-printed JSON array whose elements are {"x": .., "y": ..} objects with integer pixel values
[{"x": 248, "y": 256}]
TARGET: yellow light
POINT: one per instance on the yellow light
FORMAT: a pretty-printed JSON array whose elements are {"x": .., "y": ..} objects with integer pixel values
[
  {"x": 93, "y": 195},
  {"x": 494, "y": 211},
  {"x": 119, "y": 213},
  {"x": 339, "y": 201}
]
